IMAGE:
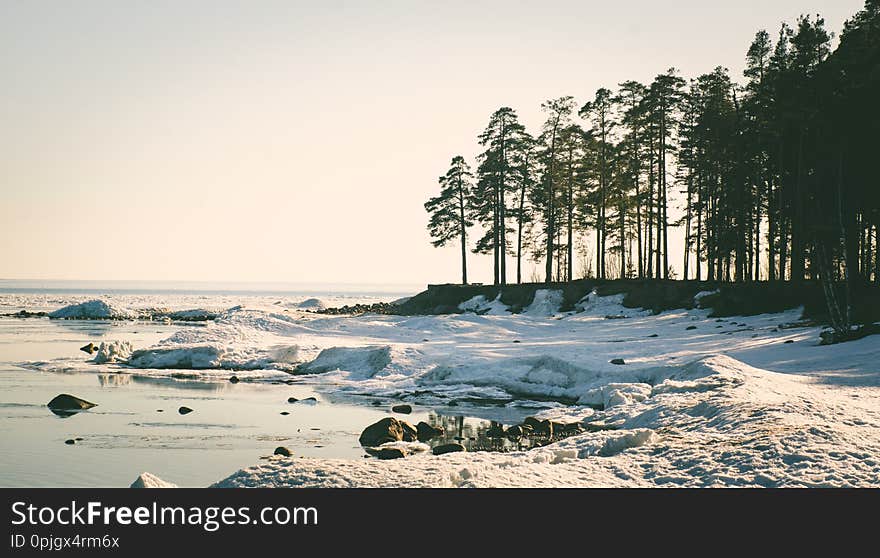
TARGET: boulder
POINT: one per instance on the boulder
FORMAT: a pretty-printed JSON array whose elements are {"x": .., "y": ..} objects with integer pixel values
[
  {"x": 184, "y": 410},
  {"x": 689, "y": 328},
  {"x": 448, "y": 448},
  {"x": 281, "y": 450},
  {"x": 390, "y": 453},
  {"x": 539, "y": 427},
  {"x": 402, "y": 409},
  {"x": 67, "y": 402},
  {"x": 234, "y": 380},
  {"x": 292, "y": 399},
  {"x": 387, "y": 430},
  {"x": 70, "y": 442},
  {"x": 617, "y": 361},
  {"x": 425, "y": 431},
  {"x": 91, "y": 348}
]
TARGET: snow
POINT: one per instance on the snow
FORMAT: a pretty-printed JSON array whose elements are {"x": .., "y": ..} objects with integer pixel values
[
  {"x": 545, "y": 303},
  {"x": 149, "y": 480},
  {"x": 726, "y": 404},
  {"x": 113, "y": 351},
  {"x": 312, "y": 304},
  {"x": 480, "y": 305},
  {"x": 358, "y": 361},
  {"x": 93, "y": 310},
  {"x": 192, "y": 358}
]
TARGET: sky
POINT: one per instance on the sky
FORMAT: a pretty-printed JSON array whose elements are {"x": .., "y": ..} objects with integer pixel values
[{"x": 286, "y": 141}]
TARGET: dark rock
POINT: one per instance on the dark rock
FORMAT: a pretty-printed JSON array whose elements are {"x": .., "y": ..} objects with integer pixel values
[
  {"x": 292, "y": 399},
  {"x": 390, "y": 453},
  {"x": 234, "y": 380},
  {"x": 67, "y": 402},
  {"x": 70, "y": 442},
  {"x": 653, "y": 335},
  {"x": 539, "y": 427},
  {"x": 387, "y": 430},
  {"x": 448, "y": 448},
  {"x": 281, "y": 450},
  {"x": 90, "y": 348},
  {"x": 184, "y": 410},
  {"x": 402, "y": 409},
  {"x": 312, "y": 399},
  {"x": 78, "y": 439},
  {"x": 425, "y": 431},
  {"x": 284, "y": 413},
  {"x": 688, "y": 328},
  {"x": 617, "y": 361},
  {"x": 495, "y": 431},
  {"x": 515, "y": 432},
  {"x": 789, "y": 342},
  {"x": 160, "y": 410},
  {"x": 517, "y": 341}
]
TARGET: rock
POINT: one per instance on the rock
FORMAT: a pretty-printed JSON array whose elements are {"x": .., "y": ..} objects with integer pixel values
[
  {"x": 284, "y": 413},
  {"x": 70, "y": 442},
  {"x": 688, "y": 328},
  {"x": 387, "y": 430},
  {"x": 653, "y": 335},
  {"x": 515, "y": 432},
  {"x": 425, "y": 431},
  {"x": 78, "y": 439},
  {"x": 617, "y": 361},
  {"x": 234, "y": 380},
  {"x": 390, "y": 453},
  {"x": 402, "y": 409},
  {"x": 448, "y": 448},
  {"x": 539, "y": 427},
  {"x": 66, "y": 404},
  {"x": 281, "y": 450},
  {"x": 292, "y": 399},
  {"x": 789, "y": 342},
  {"x": 495, "y": 431},
  {"x": 309, "y": 400},
  {"x": 148, "y": 480},
  {"x": 184, "y": 410},
  {"x": 91, "y": 348},
  {"x": 517, "y": 341}
]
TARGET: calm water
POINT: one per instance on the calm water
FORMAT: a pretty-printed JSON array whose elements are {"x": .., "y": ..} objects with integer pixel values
[{"x": 136, "y": 426}]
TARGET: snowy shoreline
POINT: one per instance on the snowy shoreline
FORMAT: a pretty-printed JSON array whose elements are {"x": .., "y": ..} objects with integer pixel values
[{"x": 745, "y": 401}]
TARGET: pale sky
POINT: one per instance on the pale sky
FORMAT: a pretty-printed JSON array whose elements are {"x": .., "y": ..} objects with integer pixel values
[{"x": 297, "y": 141}]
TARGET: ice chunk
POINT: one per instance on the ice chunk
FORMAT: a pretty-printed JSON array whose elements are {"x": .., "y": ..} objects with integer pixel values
[
  {"x": 92, "y": 310},
  {"x": 113, "y": 351},
  {"x": 545, "y": 303},
  {"x": 193, "y": 358},
  {"x": 360, "y": 361}
]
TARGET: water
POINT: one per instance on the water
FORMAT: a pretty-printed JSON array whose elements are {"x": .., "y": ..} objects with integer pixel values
[{"x": 136, "y": 426}]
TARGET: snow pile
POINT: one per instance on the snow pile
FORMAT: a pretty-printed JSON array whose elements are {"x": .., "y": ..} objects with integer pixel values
[
  {"x": 113, "y": 351},
  {"x": 149, "y": 480},
  {"x": 312, "y": 304},
  {"x": 545, "y": 303},
  {"x": 93, "y": 310},
  {"x": 481, "y": 305},
  {"x": 362, "y": 362},
  {"x": 192, "y": 358},
  {"x": 607, "y": 307},
  {"x": 194, "y": 315}
]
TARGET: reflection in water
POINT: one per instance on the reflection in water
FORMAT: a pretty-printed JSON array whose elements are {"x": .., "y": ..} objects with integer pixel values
[
  {"x": 114, "y": 380},
  {"x": 484, "y": 435}
]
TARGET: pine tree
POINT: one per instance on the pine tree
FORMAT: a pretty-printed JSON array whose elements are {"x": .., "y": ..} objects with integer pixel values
[{"x": 450, "y": 210}]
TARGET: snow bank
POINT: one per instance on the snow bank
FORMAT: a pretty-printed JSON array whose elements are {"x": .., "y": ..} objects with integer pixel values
[
  {"x": 312, "y": 304},
  {"x": 545, "y": 303},
  {"x": 93, "y": 310},
  {"x": 149, "y": 480},
  {"x": 113, "y": 351},
  {"x": 481, "y": 305},
  {"x": 192, "y": 358},
  {"x": 607, "y": 307},
  {"x": 361, "y": 362}
]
